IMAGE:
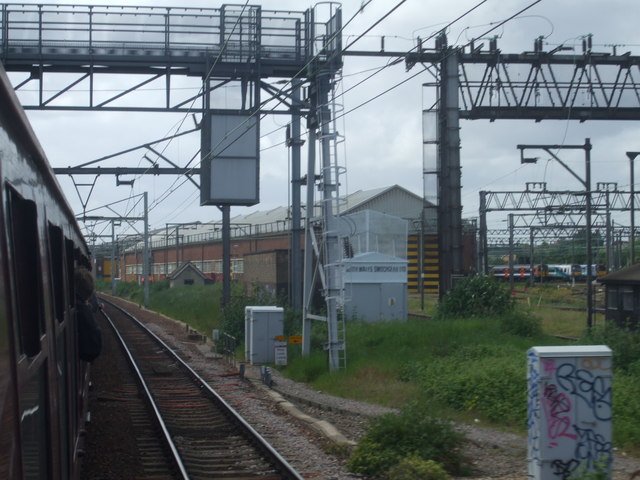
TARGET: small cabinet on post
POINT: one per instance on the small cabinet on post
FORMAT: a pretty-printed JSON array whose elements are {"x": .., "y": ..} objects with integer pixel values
[{"x": 262, "y": 327}]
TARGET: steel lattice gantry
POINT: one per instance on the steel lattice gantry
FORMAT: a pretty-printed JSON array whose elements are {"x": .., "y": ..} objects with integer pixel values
[
  {"x": 555, "y": 210},
  {"x": 158, "y": 43},
  {"x": 536, "y": 85},
  {"x": 231, "y": 46}
]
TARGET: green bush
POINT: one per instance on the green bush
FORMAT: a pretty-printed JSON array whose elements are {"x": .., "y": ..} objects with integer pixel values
[
  {"x": 626, "y": 422},
  {"x": 476, "y": 296},
  {"x": 308, "y": 368},
  {"x": 197, "y": 305},
  {"x": 493, "y": 387},
  {"x": 521, "y": 323},
  {"x": 624, "y": 343},
  {"x": 233, "y": 320},
  {"x": 415, "y": 468},
  {"x": 412, "y": 432},
  {"x": 129, "y": 290}
]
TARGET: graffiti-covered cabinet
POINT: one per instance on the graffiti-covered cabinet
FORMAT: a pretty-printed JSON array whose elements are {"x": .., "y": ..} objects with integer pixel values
[{"x": 569, "y": 411}]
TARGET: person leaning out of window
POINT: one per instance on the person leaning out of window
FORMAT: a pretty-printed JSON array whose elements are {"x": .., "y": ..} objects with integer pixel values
[{"x": 89, "y": 335}]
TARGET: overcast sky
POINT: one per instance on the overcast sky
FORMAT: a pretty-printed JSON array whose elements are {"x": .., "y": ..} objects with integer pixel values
[{"x": 383, "y": 139}]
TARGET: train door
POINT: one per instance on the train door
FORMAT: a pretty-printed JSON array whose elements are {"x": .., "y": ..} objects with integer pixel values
[
  {"x": 30, "y": 339},
  {"x": 59, "y": 283},
  {"x": 9, "y": 432}
]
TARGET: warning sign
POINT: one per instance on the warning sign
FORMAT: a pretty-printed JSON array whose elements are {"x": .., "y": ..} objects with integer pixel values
[
  {"x": 295, "y": 339},
  {"x": 281, "y": 355}
]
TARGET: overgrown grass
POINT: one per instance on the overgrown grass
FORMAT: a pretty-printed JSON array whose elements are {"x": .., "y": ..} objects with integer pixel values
[
  {"x": 197, "y": 305},
  {"x": 391, "y": 363},
  {"x": 460, "y": 368}
]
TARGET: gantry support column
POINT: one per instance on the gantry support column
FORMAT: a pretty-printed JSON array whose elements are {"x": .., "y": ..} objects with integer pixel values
[
  {"x": 296, "y": 225},
  {"x": 449, "y": 183},
  {"x": 483, "y": 246},
  {"x": 309, "y": 283}
]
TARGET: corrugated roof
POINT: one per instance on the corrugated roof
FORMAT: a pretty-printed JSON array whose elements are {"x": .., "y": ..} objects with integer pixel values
[
  {"x": 351, "y": 202},
  {"x": 629, "y": 275},
  {"x": 278, "y": 215}
]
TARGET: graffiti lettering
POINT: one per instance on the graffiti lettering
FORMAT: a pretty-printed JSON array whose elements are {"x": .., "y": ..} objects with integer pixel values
[
  {"x": 533, "y": 408},
  {"x": 549, "y": 366},
  {"x": 589, "y": 387},
  {"x": 555, "y": 406},
  {"x": 564, "y": 469},
  {"x": 595, "y": 363},
  {"x": 593, "y": 448}
]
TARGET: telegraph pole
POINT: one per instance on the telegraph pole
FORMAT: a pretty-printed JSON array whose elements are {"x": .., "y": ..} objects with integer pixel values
[
  {"x": 146, "y": 254},
  {"x": 632, "y": 244}
]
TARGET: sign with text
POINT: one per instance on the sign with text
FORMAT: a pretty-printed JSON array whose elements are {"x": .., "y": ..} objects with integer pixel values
[{"x": 281, "y": 354}]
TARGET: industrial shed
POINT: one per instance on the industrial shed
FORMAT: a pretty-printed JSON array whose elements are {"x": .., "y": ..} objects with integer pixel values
[
  {"x": 622, "y": 296},
  {"x": 268, "y": 271},
  {"x": 187, "y": 274},
  {"x": 264, "y": 231}
]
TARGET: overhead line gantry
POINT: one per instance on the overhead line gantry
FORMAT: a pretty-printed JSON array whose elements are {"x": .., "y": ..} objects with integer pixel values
[{"x": 474, "y": 81}]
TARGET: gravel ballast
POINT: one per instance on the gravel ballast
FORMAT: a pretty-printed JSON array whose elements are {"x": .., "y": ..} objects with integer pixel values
[{"x": 305, "y": 425}]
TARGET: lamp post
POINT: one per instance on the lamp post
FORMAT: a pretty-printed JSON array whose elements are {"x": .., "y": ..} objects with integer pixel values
[
  {"x": 586, "y": 183},
  {"x": 632, "y": 248}
]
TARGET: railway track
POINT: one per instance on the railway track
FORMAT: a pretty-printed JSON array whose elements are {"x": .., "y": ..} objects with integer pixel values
[{"x": 202, "y": 434}]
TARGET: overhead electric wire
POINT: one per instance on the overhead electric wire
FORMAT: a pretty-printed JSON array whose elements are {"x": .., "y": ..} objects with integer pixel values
[
  {"x": 202, "y": 89},
  {"x": 170, "y": 189},
  {"x": 327, "y": 42},
  {"x": 282, "y": 89},
  {"x": 391, "y": 64},
  {"x": 375, "y": 24},
  {"x": 376, "y": 72}
]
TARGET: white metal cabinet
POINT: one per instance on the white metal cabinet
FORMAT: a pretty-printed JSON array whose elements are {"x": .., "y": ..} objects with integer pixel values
[{"x": 569, "y": 411}]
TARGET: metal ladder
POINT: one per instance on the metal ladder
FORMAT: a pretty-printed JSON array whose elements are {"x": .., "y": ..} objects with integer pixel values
[{"x": 331, "y": 251}]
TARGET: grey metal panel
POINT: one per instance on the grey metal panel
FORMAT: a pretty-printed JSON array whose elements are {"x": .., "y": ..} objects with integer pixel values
[
  {"x": 233, "y": 164},
  {"x": 262, "y": 325},
  {"x": 374, "y": 302}
]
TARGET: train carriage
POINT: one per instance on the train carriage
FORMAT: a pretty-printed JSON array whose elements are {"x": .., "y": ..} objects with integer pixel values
[
  {"x": 521, "y": 272},
  {"x": 42, "y": 383},
  {"x": 568, "y": 272}
]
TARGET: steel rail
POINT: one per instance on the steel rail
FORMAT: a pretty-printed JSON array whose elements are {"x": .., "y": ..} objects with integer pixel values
[
  {"x": 175, "y": 455},
  {"x": 283, "y": 467}
]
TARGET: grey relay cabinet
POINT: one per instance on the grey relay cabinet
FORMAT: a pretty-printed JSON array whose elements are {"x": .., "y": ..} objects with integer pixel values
[
  {"x": 569, "y": 411},
  {"x": 261, "y": 327}
]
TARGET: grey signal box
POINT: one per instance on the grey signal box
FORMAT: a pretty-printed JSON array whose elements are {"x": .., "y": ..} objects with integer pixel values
[{"x": 262, "y": 326}]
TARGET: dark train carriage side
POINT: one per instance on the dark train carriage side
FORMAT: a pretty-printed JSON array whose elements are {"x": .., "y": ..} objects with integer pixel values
[{"x": 42, "y": 385}]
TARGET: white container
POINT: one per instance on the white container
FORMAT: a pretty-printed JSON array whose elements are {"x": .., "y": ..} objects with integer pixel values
[
  {"x": 569, "y": 411},
  {"x": 262, "y": 326}
]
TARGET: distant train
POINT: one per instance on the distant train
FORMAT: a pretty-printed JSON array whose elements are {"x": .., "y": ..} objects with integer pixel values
[
  {"x": 43, "y": 384},
  {"x": 521, "y": 272},
  {"x": 550, "y": 272},
  {"x": 597, "y": 270},
  {"x": 575, "y": 272},
  {"x": 564, "y": 272}
]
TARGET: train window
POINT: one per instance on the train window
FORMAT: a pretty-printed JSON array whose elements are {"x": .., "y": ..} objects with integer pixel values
[
  {"x": 71, "y": 297},
  {"x": 612, "y": 298},
  {"x": 627, "y": 299},
  {"x": 23, "y": 223},
  {"x": 57, "y": 270}
]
